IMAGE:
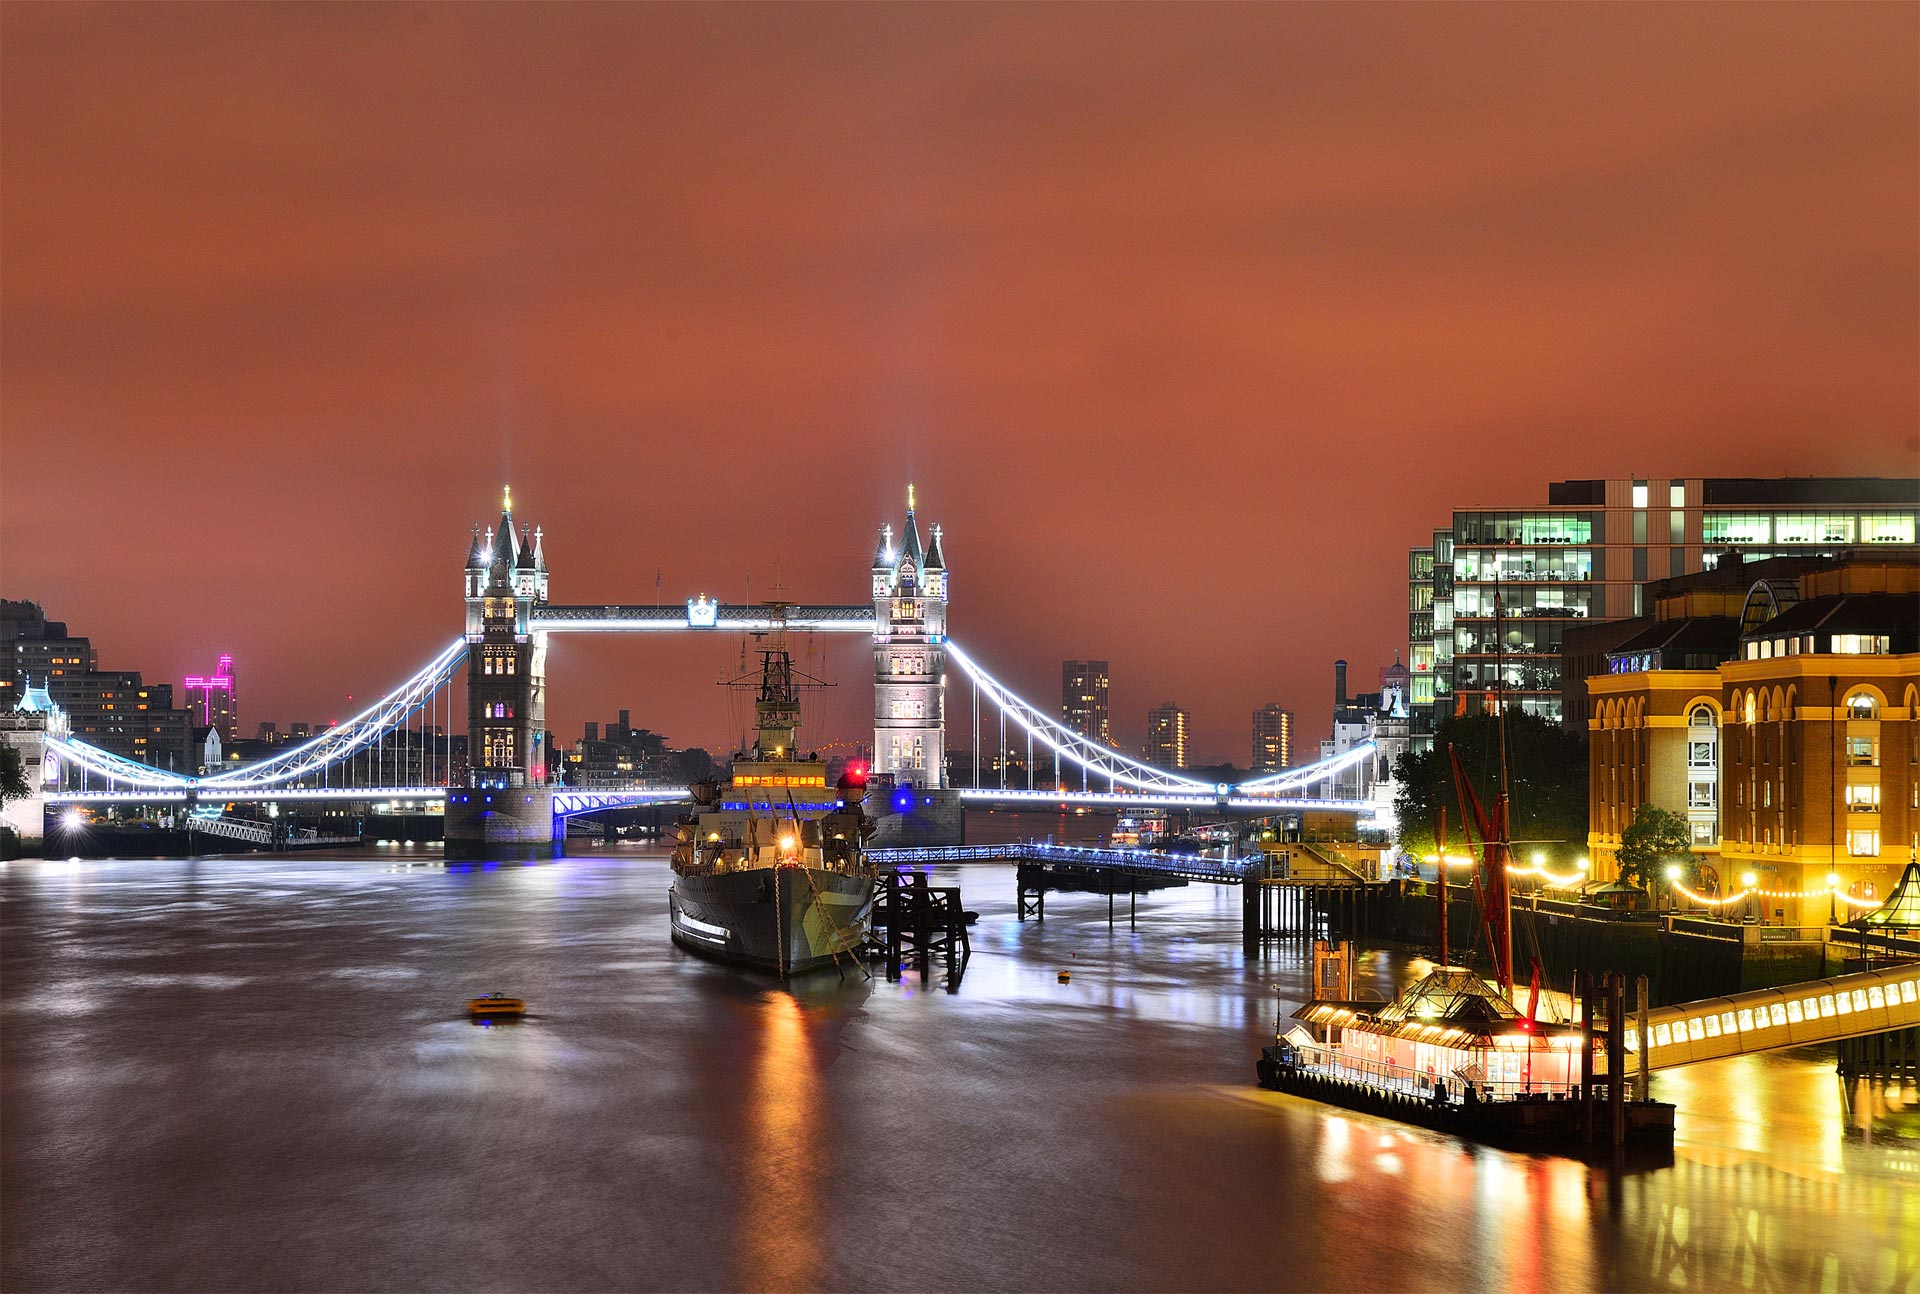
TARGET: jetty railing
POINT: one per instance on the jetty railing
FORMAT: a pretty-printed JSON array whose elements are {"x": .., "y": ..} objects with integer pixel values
[{"x": 1192, "y": 866}]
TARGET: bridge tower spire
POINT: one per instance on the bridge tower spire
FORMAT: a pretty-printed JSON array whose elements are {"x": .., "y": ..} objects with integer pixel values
[{"x": 909, "y": 656}]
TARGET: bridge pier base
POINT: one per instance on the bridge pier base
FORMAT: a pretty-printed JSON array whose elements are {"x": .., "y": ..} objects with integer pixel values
[
  {"x": 909, "y": 817},
  {"x": 511, "y": 824}
]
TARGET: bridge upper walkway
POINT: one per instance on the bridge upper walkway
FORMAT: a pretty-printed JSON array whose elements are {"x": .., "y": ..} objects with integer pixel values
[{"x": 1794, "y": 1015}]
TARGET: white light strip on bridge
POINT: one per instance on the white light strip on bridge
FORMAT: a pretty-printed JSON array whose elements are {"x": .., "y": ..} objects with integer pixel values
[
  {"x": 360, "y": 731},
  {"x": 1148, "y": 778},
  {"x": 114, "y": 767},
  {"x": 250, "y": 795},
  {"x": 337, "y": 743},
  {"x": 1307, "y": 774},
  {"x": 1159, "y": 799}
]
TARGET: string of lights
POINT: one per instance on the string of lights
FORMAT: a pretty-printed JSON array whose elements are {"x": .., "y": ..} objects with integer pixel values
[
  {"x": 1749, "y": 890},
  {"x": 1554, "y": 880}
]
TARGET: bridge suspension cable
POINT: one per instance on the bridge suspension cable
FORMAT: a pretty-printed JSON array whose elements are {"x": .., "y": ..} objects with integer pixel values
[
  {"x": 1117, "y": 768},
  {"x": 365, "y": 733},
  {"x": 1292, "y": 779},
  {"x": 1100, "y": 760}
]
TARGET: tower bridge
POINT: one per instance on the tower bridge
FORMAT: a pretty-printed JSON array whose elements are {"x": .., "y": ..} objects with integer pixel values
[{"x": 503, "y": 805}]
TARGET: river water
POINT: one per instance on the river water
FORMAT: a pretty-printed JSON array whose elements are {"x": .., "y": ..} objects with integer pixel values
[{"x": 253, "y": 1074}]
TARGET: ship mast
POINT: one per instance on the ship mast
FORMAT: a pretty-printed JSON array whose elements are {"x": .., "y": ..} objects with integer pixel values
[
  {"x": 1503, "y": 829},
  {"x": 777, "y": 709}
]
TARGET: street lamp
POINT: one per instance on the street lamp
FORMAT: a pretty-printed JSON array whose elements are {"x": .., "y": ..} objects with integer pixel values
[
  {"x": 1833, "y": 900},
  {"x": 1748, "y": 880},
  {"x": 1673, "y": 881}
]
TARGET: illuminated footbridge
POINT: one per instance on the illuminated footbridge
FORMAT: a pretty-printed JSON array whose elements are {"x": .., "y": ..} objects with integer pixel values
[{"x": 1794, "y": 1015}]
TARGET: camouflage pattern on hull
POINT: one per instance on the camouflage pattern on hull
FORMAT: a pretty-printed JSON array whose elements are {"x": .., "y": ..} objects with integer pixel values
[{"x": 788, "y": 920}]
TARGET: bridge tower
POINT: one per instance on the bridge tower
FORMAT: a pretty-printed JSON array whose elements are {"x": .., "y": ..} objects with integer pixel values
[
  {"x": 505, "y": 811},
  {"x": 910, "y": 656},
  {"x": 910, "y": 586}
]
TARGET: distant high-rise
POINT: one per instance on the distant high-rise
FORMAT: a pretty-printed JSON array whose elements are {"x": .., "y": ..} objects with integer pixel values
[
  {"x": 1167, "y": 726},
  {"x": 110, "y": 709},
  {"x": 211, "y": 699},
  {"x": 1272, "y": 738},
  {"x": 1083, "y": 699}
]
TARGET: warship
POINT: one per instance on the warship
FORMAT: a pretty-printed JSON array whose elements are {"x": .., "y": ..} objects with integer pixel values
[{"x": 770, "y": 869}]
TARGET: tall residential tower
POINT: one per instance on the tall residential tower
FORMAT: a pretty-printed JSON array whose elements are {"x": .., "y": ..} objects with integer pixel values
[
  {"x": 1272, "y": 738},
  {"x": 1083, "y": 699},
  {"x": 1167, "y": 727}
]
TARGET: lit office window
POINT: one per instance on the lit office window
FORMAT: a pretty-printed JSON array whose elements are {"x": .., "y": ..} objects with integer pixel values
[{"x": 1863, "y": 799}]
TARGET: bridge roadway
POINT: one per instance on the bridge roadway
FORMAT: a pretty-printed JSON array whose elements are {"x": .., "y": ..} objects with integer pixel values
[
  {"x": 1161, "y": 800},
  {"x": 1793, "y": 1015},
  {"x": 569, "y": 801}
]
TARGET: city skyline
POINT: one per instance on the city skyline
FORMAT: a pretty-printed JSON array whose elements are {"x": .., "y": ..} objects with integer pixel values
[{"x": 371, "y": 315}]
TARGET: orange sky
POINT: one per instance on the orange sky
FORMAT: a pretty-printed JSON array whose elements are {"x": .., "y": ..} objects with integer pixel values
[{"x": 1188, "y": 321}]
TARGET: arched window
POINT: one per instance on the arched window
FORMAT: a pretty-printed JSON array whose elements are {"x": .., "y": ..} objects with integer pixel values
[
  {"x": 1751, "y": 711},
  {"x": 1861, "y": 705}
]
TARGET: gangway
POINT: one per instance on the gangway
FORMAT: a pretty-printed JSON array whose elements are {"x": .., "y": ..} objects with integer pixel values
[
  {"x": 1794, "y": 1015},
  {"x": 1311, "y": 863}
]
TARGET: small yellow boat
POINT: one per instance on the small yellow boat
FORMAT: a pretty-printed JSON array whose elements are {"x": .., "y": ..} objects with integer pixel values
[{"x": 496, "y": 1004}]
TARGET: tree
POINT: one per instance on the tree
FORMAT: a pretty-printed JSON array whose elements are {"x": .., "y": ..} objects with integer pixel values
[
  {"x": 13, "y": 775},
  {"x": 1654, "y": 839},
  {"x": 1546, "y": 778}
]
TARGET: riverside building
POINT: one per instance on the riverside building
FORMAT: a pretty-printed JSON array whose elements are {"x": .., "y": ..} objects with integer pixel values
[
  {"x": 1778, "y": 713},
  {"x": 1491, "y": 597}
]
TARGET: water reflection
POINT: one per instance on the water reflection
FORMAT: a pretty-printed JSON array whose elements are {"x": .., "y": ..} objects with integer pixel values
[
  {"x": 780, "y": 1230},
  {"x": 299, "y": 1107}
]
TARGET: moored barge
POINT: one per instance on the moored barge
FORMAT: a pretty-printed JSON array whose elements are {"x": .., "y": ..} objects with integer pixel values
[{"x": 1452, "y": 1053}]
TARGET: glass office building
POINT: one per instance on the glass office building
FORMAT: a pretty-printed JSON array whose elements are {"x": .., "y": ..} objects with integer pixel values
[{"x": 1490, "y": 598}]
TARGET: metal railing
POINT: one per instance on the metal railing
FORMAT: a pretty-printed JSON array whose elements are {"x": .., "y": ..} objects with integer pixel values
[
  {"x": 1133, "y": 860},
  {"x": 254, "y": 833}
]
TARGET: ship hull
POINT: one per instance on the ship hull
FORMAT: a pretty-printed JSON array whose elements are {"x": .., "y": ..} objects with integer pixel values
[{"x": 786, "y": 920}]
